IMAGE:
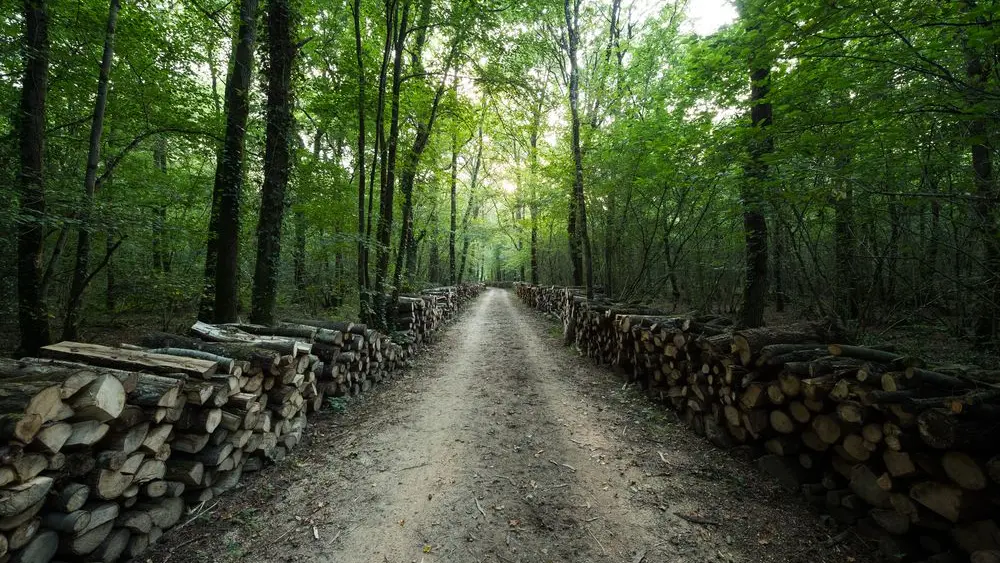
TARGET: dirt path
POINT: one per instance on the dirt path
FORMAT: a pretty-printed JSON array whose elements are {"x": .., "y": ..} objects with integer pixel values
[{"x": 501, "y": 446}]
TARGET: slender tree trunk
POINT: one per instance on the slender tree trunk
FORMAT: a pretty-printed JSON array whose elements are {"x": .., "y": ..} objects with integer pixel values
[
  {"x": 362, "y": 243},
  {"x": 574, "y": 240},
  {"x": 221, "y": 294},
  {"x": 110, "y": 292},
  {"x": 572, "y": 28},
  {"x": 409, "y": 173},
  {"x": 161, "y": 252},
  {"x": 278, "y": 146},
  {"x": 536, "y": 121},
  {"x": 32, "y": 314},
  {"x": 753, "y": 188},
  {"x": 454, "y": 209},
  {"x": 82, "y": 269},
  {"x": 987, "y": 227},
  {"x": 388, "y": 186},
  {"x": 844, "y": 250},
  {"x": 779, "y": 281}
]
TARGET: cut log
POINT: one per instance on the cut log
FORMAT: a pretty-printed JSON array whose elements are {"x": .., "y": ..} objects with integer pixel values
[
  {"x": 15, "y": 500},
  {"x": 185, "y": 471},
  {"x": 137, "y": 521},
  {"x": 948, "y": 501},
  {"x": 866, "y": 485},
  {"x": 87, "y": 542},
  {"x": 72, "y": 523},
  {"x": 155, "y": 438},
  {"x": 112, "y": 547},
  {"x": 132, "y": 360},
  {"x": 165, "y": 513},
  {"x": 101, "y": 400},
  {"x": 41, "y": 549},
  {"x": 128, "y": 441},
  {"x": 52, "y": 436},
  {"x": 106, "y": 484},
  {"x": 964, "y": 471},
  {"x": 85, "y": 434},
  {"x": 189, "y": 443},
  {"x": 70, "y": 498},
  {"x": 29, "y": 465}
]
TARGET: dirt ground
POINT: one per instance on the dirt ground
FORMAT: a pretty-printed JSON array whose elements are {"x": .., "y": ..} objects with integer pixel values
[{"x": 502, "y": 446}]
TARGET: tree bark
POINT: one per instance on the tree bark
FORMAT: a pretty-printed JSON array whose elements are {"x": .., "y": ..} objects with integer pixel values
[
  {"x": 32, "y": 313},
  {"x": 81, "y": 270},
  {"x": 280, "y": 133},
  {"x": 362, "y": 246},
  {"x": 220, "y": 298},
  {"x": 978, "y": 71},
  {"x": 160, "y": 244},
  {"x": 454, "y": 208},
  {"x": 580, "y": 203},
  {"x": 420, "y": 142},
  {"x": 388, "y": 185},
  {"x": 755, "y": 175}
]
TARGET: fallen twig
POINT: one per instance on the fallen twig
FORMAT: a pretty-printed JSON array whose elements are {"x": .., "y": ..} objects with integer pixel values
[
  {"x": 563, "y": 464},
  {"x": 639, "y": 557},
  {"x": 198, "y": 515},
  {"x": 480, "y": 507},
  {"x": 697, "y": 519}
]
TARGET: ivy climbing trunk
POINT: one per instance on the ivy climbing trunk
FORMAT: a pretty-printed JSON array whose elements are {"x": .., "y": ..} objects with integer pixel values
[
  {"x": 81, "y": 271},
  {"x": 220, "y": 297},
  {"x": 280, "y": 132},
  {"x": 32, "y": 314}
]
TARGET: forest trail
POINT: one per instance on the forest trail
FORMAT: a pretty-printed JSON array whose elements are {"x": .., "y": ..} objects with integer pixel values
[{"x": 501, "y": 446}]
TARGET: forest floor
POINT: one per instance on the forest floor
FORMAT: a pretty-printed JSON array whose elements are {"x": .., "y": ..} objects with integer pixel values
[{"x": 502, "y": 446}]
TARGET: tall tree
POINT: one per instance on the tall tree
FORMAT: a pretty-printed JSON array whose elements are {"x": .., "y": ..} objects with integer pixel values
[
  {"x": 359, "y": 55},
  {"x": 281, "y": 50},
  {"x": 579, "y": 202},
  {"x": 388, "y": 184},
  {"x": 32, "y": 314},
  {"x": 81, "y": 272},
  {"x": 220, "y": 297},
  {"x": 756, "y": 173}
]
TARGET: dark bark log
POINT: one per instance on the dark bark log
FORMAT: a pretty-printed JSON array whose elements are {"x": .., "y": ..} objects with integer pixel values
[
  {"x": 281, "y": 49},
  {"x": 82, "y": 268}
]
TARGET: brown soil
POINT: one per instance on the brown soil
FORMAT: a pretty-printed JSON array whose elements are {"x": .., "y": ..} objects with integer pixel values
[{"x": 502, "y": 446}]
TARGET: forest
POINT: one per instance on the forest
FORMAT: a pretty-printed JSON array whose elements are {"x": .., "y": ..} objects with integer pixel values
[{"x": 172, "y": 159}]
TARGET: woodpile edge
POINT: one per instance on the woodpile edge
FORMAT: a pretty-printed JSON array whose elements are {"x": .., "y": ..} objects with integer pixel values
[
  {"x": 104, "y": 449},
  {"x": 907, "y": 455}
]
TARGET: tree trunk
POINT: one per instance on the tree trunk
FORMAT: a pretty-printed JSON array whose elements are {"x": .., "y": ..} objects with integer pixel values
[
  {"x": 81, "y": 270},
  {"x": 755, "y": 175},
  {"x": 536, "y": 121},
  {"x": 985, "y": 208},
  {"x": 299, "y": 253},
  {"x": 32, "y": 314},
  {"x": 844, "y": 245},
  {"x": 424, "y": 130},
  {"x": 389, "y": 183},
  {"x": 572, "y": 28},
  {"x": 220, "y": 297},
  {"x": 161, "y": 252},
  {"x": 362, "y": 246},
  {"x": 280, "y": 133},
  {"x": 454, "y": 208}
]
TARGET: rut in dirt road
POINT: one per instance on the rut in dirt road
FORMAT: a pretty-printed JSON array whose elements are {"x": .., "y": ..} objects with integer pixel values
[{"x": 504, "y": 447}]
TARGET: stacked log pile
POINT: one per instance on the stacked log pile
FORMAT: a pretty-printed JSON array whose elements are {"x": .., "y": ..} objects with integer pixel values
[
  {"x": 877, "y": 440},
  {"x": 103, "y": 449}
]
